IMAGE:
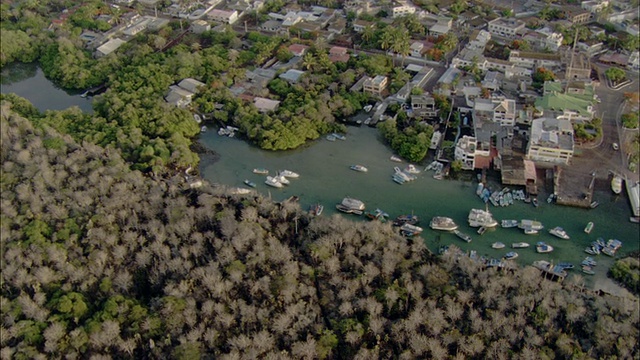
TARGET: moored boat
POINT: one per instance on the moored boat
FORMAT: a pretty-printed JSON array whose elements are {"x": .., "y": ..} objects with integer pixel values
[
  {"x": 352, "y": 204},
  {"x": 530, "y": 231},
  {"x": 203, "y": 128},
  {"x": 272, "y": 181},
  {"x": 443, "y": 223},
  {"x": 559, "y": 232},
  {"x": 359, "y": 168},
  {"x": 261, "y": 171},
  {"x": 565, "y": 265},
  {"x": 339, "y": 136},
  {"x": 462, "y": 236},
  {"x": 480, "y": 218},
  {"x": 542, "y": 247},
  {"x": 588, "y": 270},
  {"x": 316, "y": 209},
  {"x": 406, "y": 219},
  {"x": 282, "y": 179},
  {"x": 498, "y": 245},
  {"x": 482, "y": 230},
  {"x": 534, "y": 201},
  {"x": 249, "y": 183},
  {"x": 411, "y": 169},
  {"x": 530, "y": 224},
  {"x": 331, "y": 137},
  {"x": 589, "y": 227},
  {"x": 520, "y": 245},
  {"x": 289, "y": 174},
  {"x": 377, "y": 214},
  {"x": 410, "y": 230},
  {"x": 616, "y": 184},
  {"x": 395, "y": 158},
  {"x": 511, "y": 255},
  {"x": 509, "y": 223}
]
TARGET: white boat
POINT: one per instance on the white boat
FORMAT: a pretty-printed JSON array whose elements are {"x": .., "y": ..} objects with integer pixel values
[
  {"x": 589, "y": 227},
  {"x": 353, "y": 204},
  {"x": 462, "y": 236},
  {"x": 289, "y": 174},
  {"x": 443, "y": 223},
  {"x": 367, "y": 108},
  {"x": 316, "y": 209},
  {"x": 530, "y": 231},
  {"x": 261, "y": 171},
  {"x": 479, "y": 189},
  {"x": 509, "y": 223},
  {"x": 511, "y": 255},
  {"x": 360, "y": 168},
  {"x": 559, "y": 232},
  {"x": 616, "y": 184},
  {"x": 481, "y": 218},
  {"x": 249, "y": 183},
  {"x": 282, "y": 179},
  {"x": 395, "y": 158},
  {"x": 339, "y": 136},
  {"x": 272, "y": 181},
  {"x": 203, "y": 129},
  {"x": 331, "y": 137},
  {"x": 197, "y": 118},
  {"x": 482, "y": 230},
  {"x": 542, "y": 247},
  {"x": 530, "y": 224},
  {"x": 411, "y": 169},
  {"x": 498, "y": 245},
  {"x": 410, "y": 230},
  {"x": 520, "y": 245}
]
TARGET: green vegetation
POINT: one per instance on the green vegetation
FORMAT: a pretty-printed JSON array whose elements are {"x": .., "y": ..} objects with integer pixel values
[
  {"x": 409, "y": 138},
  {"x": 540, "y": 76},
  {"x": 588, "y": 131},
  {"x": 615, "y": 75},
  {"x": 630, "y": 120},
  {"x": 100, "y": 261},
  {"x": 627, "y": 272}
]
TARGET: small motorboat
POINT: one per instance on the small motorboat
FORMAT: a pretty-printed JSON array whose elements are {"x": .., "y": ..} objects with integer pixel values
[
  {"x": 498, "y": 245},
  {"x": 559, "y": 232},
  {"x": 589, "y": 227},
  {"x": 543, "y": 248},
  {"x": 359, "y": 168},
  {"x": 520, "y": 245},
  {"x": 511, "y": 255},
  {"x": 395, "y": 158},
  {"x": 534, "y": 201},
  {"x": 289, "y": 174},
  {"x": 249, "y": 183},
  {"x": 261, "y": 171},
  {"x": 316, "y": 209}
]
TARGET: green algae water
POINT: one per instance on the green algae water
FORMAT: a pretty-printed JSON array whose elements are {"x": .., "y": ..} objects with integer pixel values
[{"x": 325, "y": 177}]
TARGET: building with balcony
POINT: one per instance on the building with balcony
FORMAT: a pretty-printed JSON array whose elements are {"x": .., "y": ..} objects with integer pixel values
[
  {"x": 551, "y": 141},
  {"x": 375, "y": 85},
  {"x": 509, "y": 27}
]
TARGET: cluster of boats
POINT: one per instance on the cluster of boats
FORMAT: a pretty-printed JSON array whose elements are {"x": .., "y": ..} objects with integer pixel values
[
  {"x": 588, "y": 264},
  {"x": 229, "y": 131},
  {"x": 406, "y": 175},
  {"x": 437, "y": 167},
  {"x": 279, "y": 180},
  {"x": 600, "y": 247},
  {"x": 559, "y": 270},
  {"x": 504, "y": 197}
]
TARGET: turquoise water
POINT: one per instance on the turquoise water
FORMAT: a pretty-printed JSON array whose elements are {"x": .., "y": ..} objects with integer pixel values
[{"x": 325, "y": 177}]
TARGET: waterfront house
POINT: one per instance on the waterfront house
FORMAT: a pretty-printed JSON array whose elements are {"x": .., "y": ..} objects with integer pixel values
[
  {"x": 108, "y": 47},
  {"x": 423, "y": 106},
  {"x": 200, "y": 26},
  {"x": 180, "y": 95},
  {"x": 467, "y": 150},
  {"x": 498, "y": 110},
  {"x": 376, "y": 85},
  {"x": 265, "y": 105},
  {"x": 551, "y": 141}
]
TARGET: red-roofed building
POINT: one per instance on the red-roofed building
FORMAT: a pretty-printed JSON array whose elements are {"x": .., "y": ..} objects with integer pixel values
[
  {"x": 298, "y": 49},
  {"x": 338, "y": 53}
]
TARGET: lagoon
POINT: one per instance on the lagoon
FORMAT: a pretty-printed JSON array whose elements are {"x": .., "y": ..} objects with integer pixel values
[{"x": 325, "y": 177}]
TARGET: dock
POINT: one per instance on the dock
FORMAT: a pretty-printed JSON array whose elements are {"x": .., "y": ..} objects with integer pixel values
[{"x": 573, "y": 188}]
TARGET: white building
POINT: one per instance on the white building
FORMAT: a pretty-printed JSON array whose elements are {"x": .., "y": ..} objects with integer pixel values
[
  {"x": 223, "y": 16},
  {"x": 466, "y": 151},
  {"x": 108, "y": 47},
  {"x": 506, "y": 27},
  {"x": 401, "y": 9},
  {"x": 534, "y": 60},
  {"x": 634, "y": 61},
  {"x": 594, "y": 6},
  {"x": 551, "y": 141},
  {"x": 497, "y": 110}
]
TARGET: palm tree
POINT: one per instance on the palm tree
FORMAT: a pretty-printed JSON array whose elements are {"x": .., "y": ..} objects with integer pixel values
[
  {"x": 308, "y": 61},
  {"x": 388, "y": 38},
  {"x": 368, "y": 33}
]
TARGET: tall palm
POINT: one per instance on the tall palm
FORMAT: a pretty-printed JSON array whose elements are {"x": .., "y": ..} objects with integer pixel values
[
  {"x": 388, "y": 38},
  {"x": 368, "y": 33},
  {"x": 401, "y": 44}
]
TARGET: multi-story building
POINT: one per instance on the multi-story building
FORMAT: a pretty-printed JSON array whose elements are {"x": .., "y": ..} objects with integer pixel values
[
  {"x": 401, "y": 9},
  {"x": 509, "y": 28},
  {"x": 534, "y": 60},
  {"x": 496, "y": 110},
  {"x": 551, "y": 141},
  {"x": 544, "y": 39},
  {"x": 466, "y": 151},
  {"x": 375, "y": 85},
  {"x": 423, "y": 106},
  {"x": 223, "y": 16},
  {"x": 576, "y": 14}
]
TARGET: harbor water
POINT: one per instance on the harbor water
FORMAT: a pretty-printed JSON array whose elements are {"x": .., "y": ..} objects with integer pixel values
[{"x": 326, "y": 178}]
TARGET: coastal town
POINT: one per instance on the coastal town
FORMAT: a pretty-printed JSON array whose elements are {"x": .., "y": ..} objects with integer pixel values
[
  {"x": 532, "y": 91},
  {"x": 167, "y": 170}
]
